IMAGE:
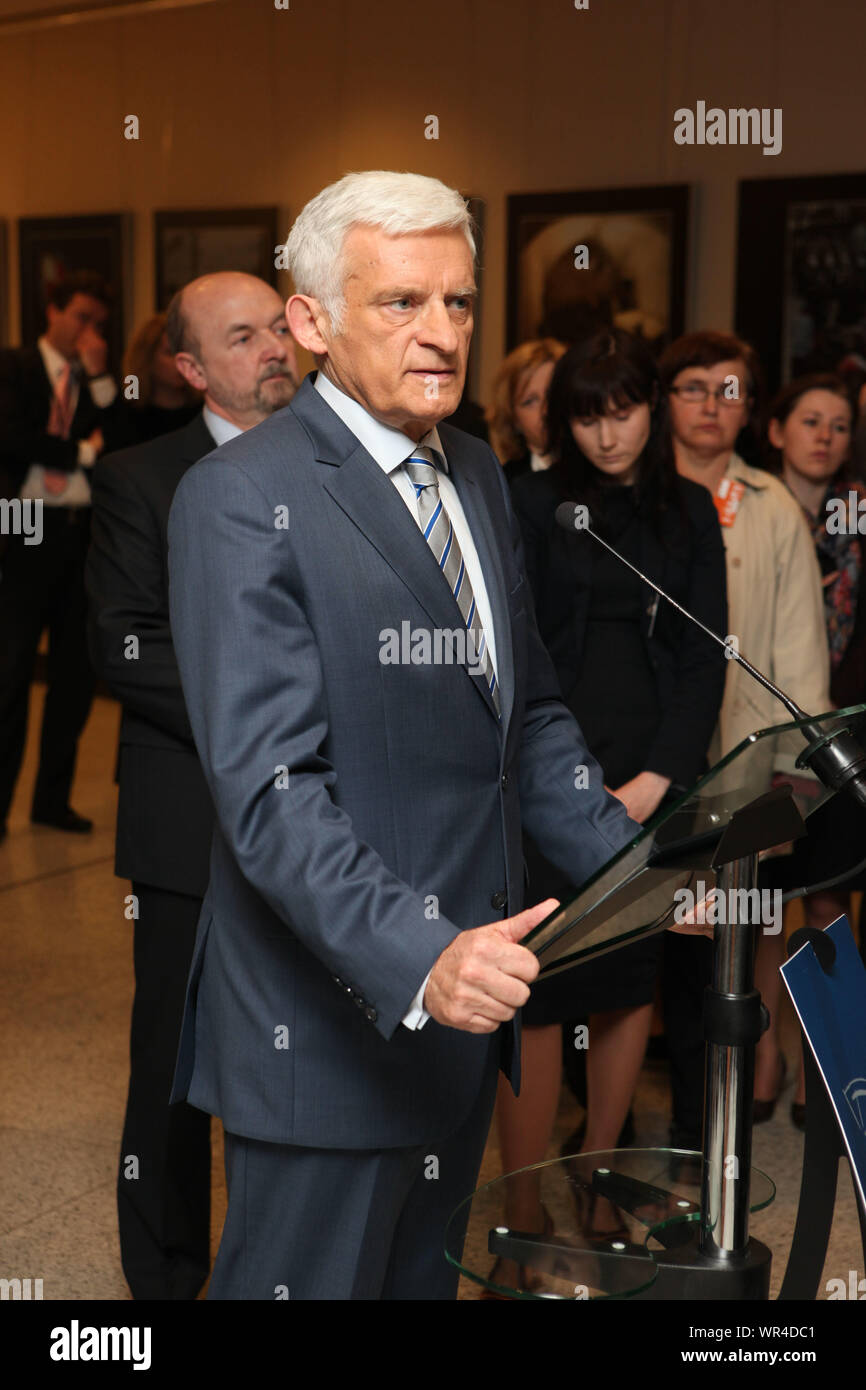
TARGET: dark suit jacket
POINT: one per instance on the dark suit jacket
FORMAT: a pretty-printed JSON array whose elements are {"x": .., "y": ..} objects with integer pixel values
[
  {"x": 334, "y": 889},
  {"x": 164, "y": 813},
  {"x": 687, "y": 559},
  {"x": 25, "y": 405},
  {"x": 517, "y": 468}
]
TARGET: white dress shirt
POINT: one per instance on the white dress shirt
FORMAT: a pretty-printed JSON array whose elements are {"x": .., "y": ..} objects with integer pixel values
[
  {"x": 390, "y": 448},
  {"x": 221, "y": 429},
  {"x": 103, "y": 389}
]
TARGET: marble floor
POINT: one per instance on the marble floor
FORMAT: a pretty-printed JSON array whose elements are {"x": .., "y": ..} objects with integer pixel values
[{"x": 65, "y": 997}]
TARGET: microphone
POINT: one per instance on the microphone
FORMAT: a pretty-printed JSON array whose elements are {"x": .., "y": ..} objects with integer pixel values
[{"x": 837, "y": 759}]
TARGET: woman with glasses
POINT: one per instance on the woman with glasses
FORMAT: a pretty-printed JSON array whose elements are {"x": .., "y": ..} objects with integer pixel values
[
  {"x": 630, "y": 669},
  {"x": 776, "y": 614}
]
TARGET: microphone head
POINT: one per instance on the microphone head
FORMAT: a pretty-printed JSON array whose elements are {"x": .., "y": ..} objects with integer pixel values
[{"x": 573, "y": 516}]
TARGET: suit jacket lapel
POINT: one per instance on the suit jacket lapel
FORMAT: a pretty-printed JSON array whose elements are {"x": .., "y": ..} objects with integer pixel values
[
  {"x": 197, "y": 440},
  {"x": 42, "y": 387}
]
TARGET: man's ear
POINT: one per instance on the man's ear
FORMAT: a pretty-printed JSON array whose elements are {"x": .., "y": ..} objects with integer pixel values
[
  {"x": 308, "y": 323},
  {"x": 190, "y": 370}
]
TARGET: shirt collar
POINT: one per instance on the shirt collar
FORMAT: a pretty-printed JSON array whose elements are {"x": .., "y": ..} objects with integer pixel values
[
  {"x": 221, "y": 429},
  {"x": 55, "y": 362},
  {"x": 388, "y": 446},
  {"x": 742, "y": 472},
  {"x": 538, "y": 463}
]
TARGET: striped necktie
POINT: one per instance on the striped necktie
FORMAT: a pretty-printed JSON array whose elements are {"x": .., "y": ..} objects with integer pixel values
[{"x": 442, "y": 540}]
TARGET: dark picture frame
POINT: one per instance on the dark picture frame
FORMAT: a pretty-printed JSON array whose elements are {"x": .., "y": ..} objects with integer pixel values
[
  {"x": 193, "y": 242},
  {"x": 4, "y": 282},
  {"x": 637, "y": 241},
  {"x": 801, "y": 270},
  {"x": 51, "y": 248}
]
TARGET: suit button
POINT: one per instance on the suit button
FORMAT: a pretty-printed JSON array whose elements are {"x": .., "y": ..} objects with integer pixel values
[
  {"x": 504, "y": 781},
  {"x": 499, "y": 900},
  {"x": 371, "y": 1014}
]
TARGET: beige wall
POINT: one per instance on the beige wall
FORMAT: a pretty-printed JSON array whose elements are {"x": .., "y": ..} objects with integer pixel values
[{"x": 240, "y": 103}]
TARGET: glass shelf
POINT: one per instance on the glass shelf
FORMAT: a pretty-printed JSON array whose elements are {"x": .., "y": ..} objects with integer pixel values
[{"x": 584, "y": 1227}]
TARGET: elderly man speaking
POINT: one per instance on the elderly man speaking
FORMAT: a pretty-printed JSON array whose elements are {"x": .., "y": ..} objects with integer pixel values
[{"x": 342, "y": 1018}]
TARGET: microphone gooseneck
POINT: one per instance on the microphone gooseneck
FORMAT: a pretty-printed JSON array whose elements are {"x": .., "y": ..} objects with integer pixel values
[{"x": 837, "y": 759}]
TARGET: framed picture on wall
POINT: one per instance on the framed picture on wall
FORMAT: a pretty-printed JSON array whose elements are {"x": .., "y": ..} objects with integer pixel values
[
  {"x": 51, "y": 248},
  {"x": 4, "y": 282},
  {"x": 619, "y": 253},
  {"x": 801, "y": 272},
  {"x": 193, "y": 243}
]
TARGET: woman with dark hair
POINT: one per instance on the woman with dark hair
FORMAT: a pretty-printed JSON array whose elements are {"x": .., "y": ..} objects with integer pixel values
[
  {"x": 643, "y": 684},
  {"x": 810, "y": 432}
]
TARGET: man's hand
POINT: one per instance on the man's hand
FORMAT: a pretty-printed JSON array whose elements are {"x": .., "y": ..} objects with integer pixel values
[
  {"x": 483, "y": 977},
  {"x": 54, "y": 482},
  {"x": 92, "y": 351}
]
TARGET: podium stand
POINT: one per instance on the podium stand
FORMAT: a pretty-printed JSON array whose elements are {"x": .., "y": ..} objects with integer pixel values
[{"x": 699, "y": 856}]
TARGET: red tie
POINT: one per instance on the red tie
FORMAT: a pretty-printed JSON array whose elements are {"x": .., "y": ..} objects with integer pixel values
[{"x": 60, "y": 419}]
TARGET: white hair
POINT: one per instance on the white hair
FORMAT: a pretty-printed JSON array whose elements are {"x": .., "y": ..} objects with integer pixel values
[{"x": 397, "y": 203}]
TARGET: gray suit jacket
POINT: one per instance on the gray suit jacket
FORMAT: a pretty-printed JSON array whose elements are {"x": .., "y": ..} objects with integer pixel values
[{"x": 366, "y": 812}]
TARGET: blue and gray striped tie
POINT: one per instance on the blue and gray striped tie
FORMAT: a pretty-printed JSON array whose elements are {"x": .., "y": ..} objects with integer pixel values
[{"x": 442, "y": 540}]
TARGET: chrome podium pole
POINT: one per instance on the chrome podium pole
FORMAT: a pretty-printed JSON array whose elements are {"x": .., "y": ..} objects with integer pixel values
[{"x": 730, "y": 1069}]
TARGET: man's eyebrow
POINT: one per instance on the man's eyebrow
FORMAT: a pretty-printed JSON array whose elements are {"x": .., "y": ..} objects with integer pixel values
[{"x": 415, "y": 291}]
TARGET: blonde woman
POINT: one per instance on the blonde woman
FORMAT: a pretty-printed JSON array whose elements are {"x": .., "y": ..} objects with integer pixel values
[
  {"x": 517, "y": 415},
  {"x": 160, "y": 399}
]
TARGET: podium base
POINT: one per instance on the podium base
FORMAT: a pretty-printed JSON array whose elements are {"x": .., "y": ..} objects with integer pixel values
[{"x": 686, "y": 1273}]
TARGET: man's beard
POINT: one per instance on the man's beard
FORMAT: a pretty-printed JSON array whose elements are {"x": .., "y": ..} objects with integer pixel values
[{"x": 269, "y": 398}]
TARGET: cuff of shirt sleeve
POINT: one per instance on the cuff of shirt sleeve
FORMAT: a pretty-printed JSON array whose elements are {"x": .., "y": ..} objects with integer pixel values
[
  {"x": 86, "y": 453},
  {"x": 103, "y": 390},
  {"x": 417, "y": 1015}
]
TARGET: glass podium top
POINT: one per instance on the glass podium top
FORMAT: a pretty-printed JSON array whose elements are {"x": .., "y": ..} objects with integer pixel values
[
  {"x": 635, "y": 893},
  {"x": 584, "y": 1227}
]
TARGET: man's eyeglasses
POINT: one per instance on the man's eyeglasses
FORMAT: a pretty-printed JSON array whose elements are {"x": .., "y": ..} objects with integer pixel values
[{"x": 695, "y": 393}]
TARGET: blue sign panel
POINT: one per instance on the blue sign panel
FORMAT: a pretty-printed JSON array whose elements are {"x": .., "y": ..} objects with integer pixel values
[{"x": 831, "y": 1005}]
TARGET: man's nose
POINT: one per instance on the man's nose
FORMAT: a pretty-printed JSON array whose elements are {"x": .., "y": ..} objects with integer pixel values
[
  {"x": 275, "y": 346},
  {"x": 437, "y": 328}
]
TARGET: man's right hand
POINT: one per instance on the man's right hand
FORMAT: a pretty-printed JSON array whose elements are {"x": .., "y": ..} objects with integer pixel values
[
  {"x": 483, "y": 977},
  {"x": 92, "y": 350}
]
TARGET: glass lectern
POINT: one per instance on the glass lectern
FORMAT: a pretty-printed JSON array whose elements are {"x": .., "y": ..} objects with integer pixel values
[{"x": 662, "y": 1223}]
